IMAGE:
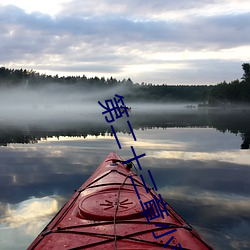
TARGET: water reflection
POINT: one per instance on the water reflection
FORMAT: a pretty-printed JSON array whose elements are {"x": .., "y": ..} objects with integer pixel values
[
  {"x": 29, "y": 210},
  {"x": 198, "y": 169},
  {"x": 20, "y": 222},
  {"x": 234, "y": 121}
]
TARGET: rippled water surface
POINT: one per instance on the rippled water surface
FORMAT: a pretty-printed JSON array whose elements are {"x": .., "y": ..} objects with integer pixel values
[{"x": 196, "y": 157}]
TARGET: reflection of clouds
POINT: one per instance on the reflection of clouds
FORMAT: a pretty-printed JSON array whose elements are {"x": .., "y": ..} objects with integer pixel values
[
  {"x": 29, "y": 212},
  {"x": 236, "y": 157},
  {"x": 228, "y": 203},
  {"x": 222, "y": 219},
  {"x": 205, "y": 182},
  {"x": 55, "y": 153},
  {"x": 221, "y": 241},
  {"x": 152, "y": 145},
  {"x": 188, "y": 144},
  {"x": 190, "y": 139},
  {"x": 53, "y": 157},
  {"x": 2, "y": 209},
  {"x": 22, "y": 222}
]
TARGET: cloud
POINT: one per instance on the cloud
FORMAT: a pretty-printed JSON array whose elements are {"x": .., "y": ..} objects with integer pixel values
[
  {"x": 115, "y": 30},
  {"x": 126, "y": 39},
  {"x": 135, "y": 9}
]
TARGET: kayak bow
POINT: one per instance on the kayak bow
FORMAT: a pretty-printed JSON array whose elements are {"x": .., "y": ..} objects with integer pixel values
[{"x": 105, "y": 212}]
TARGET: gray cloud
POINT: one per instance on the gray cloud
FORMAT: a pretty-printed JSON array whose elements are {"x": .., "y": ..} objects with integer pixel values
[
  {"x": 224, "y": 31},
  {"x": 220, "y": 29},
  {"x": 107, "y": 40},
  {"x": 83, "y": 68},
  {"x": 132, "y": 8}
]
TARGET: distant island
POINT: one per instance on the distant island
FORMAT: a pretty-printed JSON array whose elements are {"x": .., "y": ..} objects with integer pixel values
[{"x": 236, "y": 92}]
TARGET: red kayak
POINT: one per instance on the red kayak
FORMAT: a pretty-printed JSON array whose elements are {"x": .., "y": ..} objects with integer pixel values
[{"x": 114, "y": 210}]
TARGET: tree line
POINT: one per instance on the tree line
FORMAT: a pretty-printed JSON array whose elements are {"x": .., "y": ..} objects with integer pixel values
[{"x": 236, "y": 91}]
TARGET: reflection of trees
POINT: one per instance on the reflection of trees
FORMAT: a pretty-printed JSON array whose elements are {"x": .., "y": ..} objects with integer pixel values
[
  {"x": 246, "y": 141},
  {"x": 222, "y": 120},
  {"x": 35, "y": 133},
  {"x": 16, "y": 137}
]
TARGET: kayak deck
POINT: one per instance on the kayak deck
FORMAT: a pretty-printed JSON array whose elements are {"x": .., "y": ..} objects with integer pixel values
[{"x": 108, "y": 211}]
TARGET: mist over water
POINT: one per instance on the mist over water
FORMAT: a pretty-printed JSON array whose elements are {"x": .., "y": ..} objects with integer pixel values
[
  {"x": 55, "y": 102},
  {"x": 60, "y": 102},
  {"x": 53, "y": 137},
  {"x": 59, "y": 107}
]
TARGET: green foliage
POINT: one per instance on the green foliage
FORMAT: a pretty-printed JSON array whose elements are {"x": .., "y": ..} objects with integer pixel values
[
  {"x": 234, "y": 92},
  {"x": 222, "y": 93},
  {"x": 246, "y": 75}
]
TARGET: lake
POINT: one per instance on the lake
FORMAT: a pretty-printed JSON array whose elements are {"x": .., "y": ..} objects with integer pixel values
[{"x": 200, "y": 160}]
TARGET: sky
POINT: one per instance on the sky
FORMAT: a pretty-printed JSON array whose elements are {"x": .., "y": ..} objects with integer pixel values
[{"x": 152, "y": 41}]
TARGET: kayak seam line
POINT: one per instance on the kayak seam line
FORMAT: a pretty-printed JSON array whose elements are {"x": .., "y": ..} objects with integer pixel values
[
  {"x": 119, "y": 237},
  {"x": 118, "y": 222},
  {"x": 98, "y": 179},
  {"x": 117, "y": 204},
  {"x": 104, "y": 175},
  {"x": 106, "y": 184}
]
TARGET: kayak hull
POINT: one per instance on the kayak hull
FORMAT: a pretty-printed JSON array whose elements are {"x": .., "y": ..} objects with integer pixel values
[{"x": 107, "y": 212}]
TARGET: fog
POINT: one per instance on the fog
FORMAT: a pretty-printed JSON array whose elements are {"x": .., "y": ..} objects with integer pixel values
[
  {"x": 64, "y": 103},
  {"x": 55, "y": 102}
]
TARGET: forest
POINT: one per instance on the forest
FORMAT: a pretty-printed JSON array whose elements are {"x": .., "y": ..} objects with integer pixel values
[{"x": 224, "y": 93}]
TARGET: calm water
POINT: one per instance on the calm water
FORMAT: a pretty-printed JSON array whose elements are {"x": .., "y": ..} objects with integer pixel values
[{"x": 194, "y": 155}]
